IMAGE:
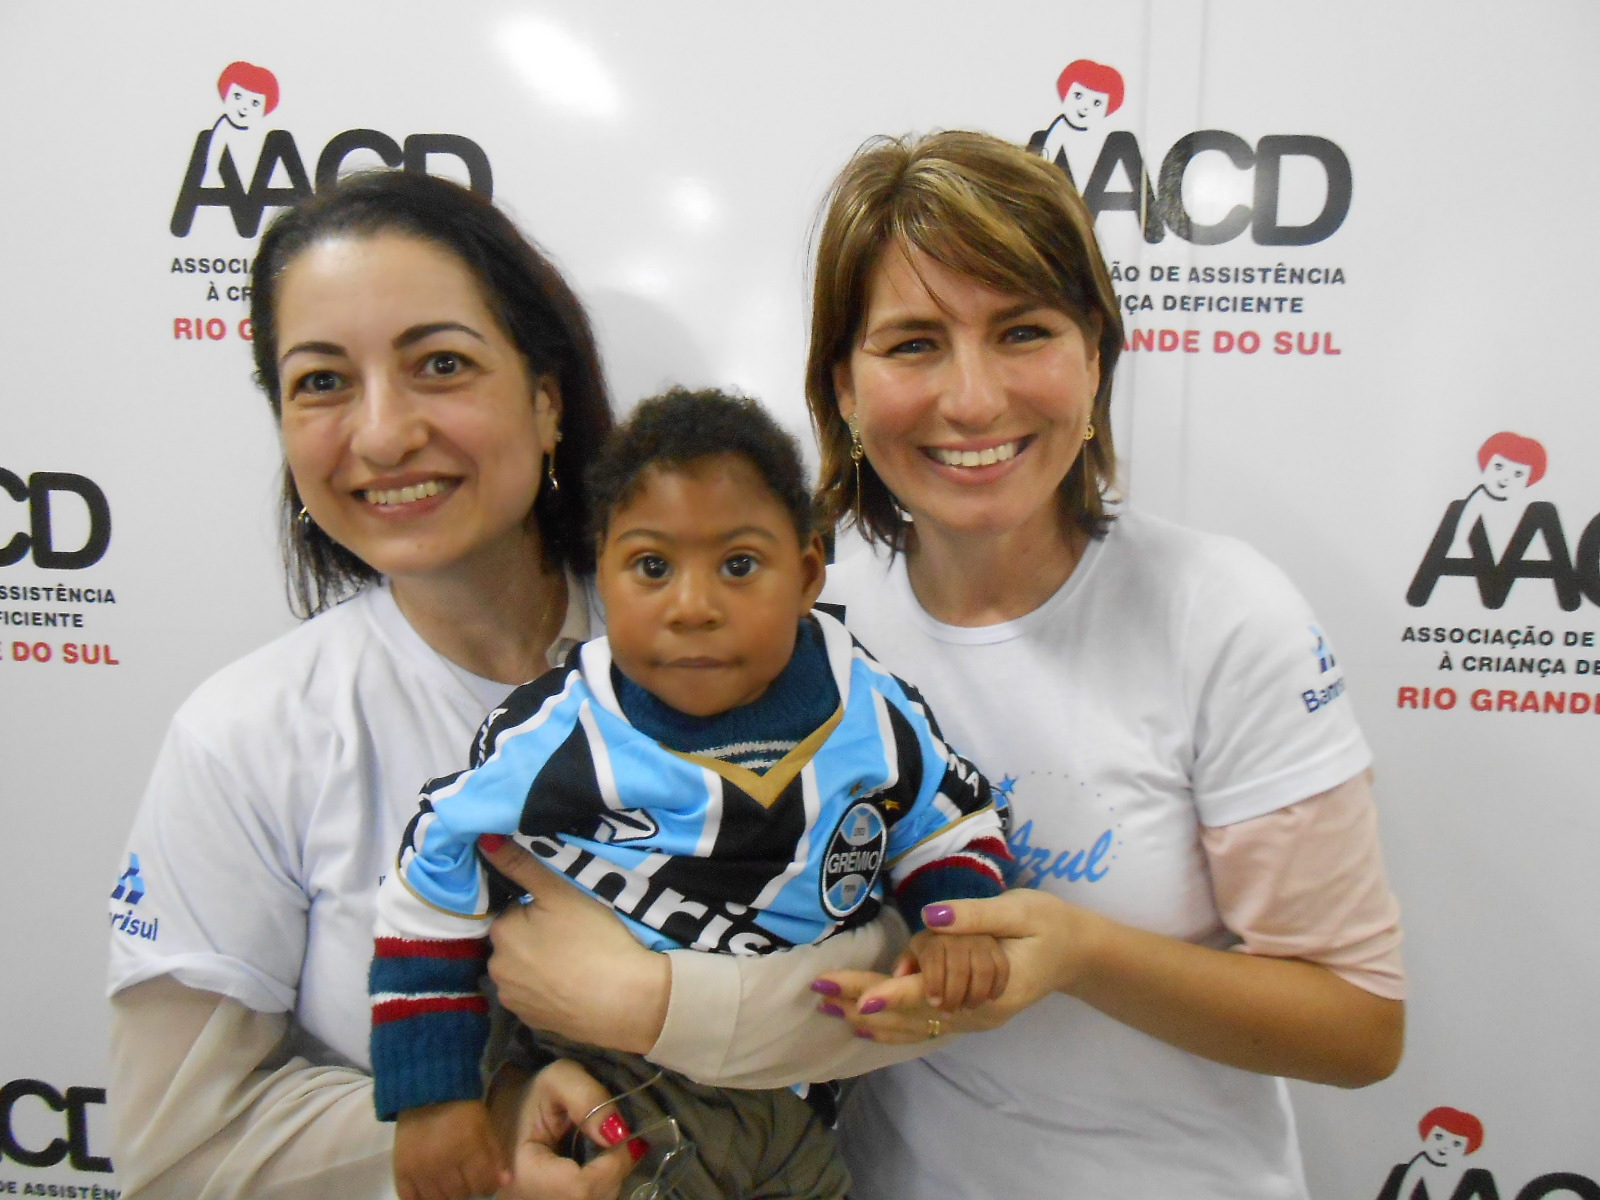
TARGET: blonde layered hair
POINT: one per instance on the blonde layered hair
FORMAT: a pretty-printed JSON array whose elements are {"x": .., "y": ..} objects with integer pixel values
[{"x": 988, "y": 210}]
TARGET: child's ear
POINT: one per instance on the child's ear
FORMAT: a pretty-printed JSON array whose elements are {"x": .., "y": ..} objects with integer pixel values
[{"x": 813, "y": 568}]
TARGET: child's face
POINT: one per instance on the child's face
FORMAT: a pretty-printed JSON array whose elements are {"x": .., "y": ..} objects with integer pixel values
[{"x": 704, "y": 582}]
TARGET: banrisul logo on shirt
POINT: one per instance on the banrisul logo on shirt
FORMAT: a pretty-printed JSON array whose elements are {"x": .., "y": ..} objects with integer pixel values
[
  {"x": 126, "y": 896},
  {"x": 1328, "y": 689},
  {"x": 855, "y": 854},
  {"x": 1504, "y": 565}
]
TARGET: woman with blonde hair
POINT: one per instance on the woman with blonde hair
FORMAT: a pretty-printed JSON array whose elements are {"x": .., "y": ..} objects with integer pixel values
[{"x": 1200, "y": 905}]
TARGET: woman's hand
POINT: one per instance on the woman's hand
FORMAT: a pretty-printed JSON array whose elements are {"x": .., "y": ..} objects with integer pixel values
[
  {"x": 1047, "y": 943},
  {"x": 566, "y": 963},
  {"x": 560, "y": 1097},
  {"x": 1275, "y": 1016}
]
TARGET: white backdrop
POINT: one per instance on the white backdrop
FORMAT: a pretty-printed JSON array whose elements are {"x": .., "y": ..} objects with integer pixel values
[{"x": 671, "y": 157}]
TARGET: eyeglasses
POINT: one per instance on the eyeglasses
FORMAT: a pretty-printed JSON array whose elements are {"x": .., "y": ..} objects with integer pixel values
[{"x": 668, "y": 1152}]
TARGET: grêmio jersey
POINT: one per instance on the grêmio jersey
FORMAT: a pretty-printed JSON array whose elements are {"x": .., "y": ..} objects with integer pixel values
[{"x": 692, "y": 851}]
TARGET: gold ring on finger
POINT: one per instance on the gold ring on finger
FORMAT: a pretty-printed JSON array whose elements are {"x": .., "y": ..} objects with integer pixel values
[{"x": 934, "y": 1028}]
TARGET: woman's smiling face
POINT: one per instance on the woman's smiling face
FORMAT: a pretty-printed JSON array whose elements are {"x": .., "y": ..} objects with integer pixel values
[
  {"x": 411, "y": 424},
  {"x": 972, "y": 404}
]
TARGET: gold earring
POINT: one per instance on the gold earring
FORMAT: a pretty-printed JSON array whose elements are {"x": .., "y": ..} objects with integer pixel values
[
  {"x": 304, "y": 518},
  {"x": 1088, "y": 434},
  {"x": 550, "y": 479},
  {"x": 857, "y": 453}
]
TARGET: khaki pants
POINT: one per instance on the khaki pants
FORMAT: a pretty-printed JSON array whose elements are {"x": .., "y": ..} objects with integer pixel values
[{"x": 748, "y": 1144}]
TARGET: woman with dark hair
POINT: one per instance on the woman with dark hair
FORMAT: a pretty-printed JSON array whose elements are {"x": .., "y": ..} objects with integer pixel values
[
  {"x": 439, "y": 398},
  {"x": 439, "y": 395}
]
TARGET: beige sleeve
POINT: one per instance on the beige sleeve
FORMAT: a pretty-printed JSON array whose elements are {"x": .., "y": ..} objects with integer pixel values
[
  {"x": 752, "y": 1022},
  {"x": 1308, "y": 882},
  {"x": 206, "y": 1103}
]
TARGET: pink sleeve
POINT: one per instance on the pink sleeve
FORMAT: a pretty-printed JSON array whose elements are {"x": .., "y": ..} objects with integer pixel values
[{"x": 1307, "y": 881}]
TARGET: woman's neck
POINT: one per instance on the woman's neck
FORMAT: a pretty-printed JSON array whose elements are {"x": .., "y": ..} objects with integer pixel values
[
  {"x": 976, "y": 579},
  {"x": 497, "y": 621}
]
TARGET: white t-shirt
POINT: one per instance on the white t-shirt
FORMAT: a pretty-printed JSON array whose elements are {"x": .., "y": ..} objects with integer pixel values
[
  {"x": 278, "y": 802},
  {"x": 1176, "y": 679}
]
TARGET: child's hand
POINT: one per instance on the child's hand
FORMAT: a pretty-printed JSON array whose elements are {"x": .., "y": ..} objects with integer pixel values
[
  {"x": 959, "y": 970},
  {"x": 448, "y": 1152}
]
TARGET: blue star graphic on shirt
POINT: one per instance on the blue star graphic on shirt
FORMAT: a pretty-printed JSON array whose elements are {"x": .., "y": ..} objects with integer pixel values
[{"x": 1005, "y": 785}]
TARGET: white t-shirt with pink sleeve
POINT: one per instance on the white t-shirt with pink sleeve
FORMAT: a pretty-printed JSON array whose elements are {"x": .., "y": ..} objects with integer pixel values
[{"x": 1177, "y": 682}]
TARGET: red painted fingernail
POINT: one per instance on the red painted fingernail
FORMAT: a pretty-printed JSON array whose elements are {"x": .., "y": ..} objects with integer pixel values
[
  {"x": 830, "y": 1010},
  {"x": 491, "y": 842},
  {"x": 874, "y": 1005},
  {"x": 825, "y": 987},
  {"x": 938, "y": 914},
  {"x": 614, "y": 1129},
  {"x": 638, "y": 1148}
]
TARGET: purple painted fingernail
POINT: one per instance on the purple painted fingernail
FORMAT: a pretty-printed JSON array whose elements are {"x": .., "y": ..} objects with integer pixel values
[
  {"x": 830, "y": 1010},
  {"x": 874, "y": 1005},
  {"x": 825, "y": 987},
  {"x": 938, "y": 914}
]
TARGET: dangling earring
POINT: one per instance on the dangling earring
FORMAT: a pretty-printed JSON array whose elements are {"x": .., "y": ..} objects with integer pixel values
[
  {"x": 857, "y": 453},
  {"x": 304, "y": 518},
  {"x": 1088, "y": 434},
  {"x": 550, "y": 480}
]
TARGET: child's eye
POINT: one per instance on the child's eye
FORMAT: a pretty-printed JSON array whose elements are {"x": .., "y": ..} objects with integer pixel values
[
  {"x": 740, "y": 566},
  {"x": 652, "y": 566}
]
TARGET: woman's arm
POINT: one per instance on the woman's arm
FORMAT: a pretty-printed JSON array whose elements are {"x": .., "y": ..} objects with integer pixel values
[
  {"x": 566, "y": 963},
  {"x": 207, "y": 1103},
  {"x": 1253, "y": 1010}
]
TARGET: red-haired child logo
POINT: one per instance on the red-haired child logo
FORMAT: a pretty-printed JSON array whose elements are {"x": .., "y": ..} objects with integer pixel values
[
  {"x": 244, "y": 165},
  {"x": 1496, "y": 536},
  {"x": 1436, "y": 1171},
  {"x": 1090, "y": 92},
  {"x": 1110, "y": 168},
  {"x": 1439, "y": 1172},
  {"x": 249, "y": 93}
]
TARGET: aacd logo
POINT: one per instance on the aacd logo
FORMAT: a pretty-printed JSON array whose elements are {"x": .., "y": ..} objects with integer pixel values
[
  {"x": 1496, "y": 536},
  {"x": 1091, "y": 92},
  {"x": 37, "y": 493},
  {"x": 1439, "y": 1171},
  {"x": 245, "y": 166},
  {"x": 855, "y": 852},
  {"x": 21, "y": 1095}
]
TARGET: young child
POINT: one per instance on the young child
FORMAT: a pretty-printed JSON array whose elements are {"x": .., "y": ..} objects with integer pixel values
[{"x": 726, "y": 769}]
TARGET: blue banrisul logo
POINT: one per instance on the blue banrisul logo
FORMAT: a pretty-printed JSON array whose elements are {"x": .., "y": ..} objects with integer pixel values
[{"x": 129, "y": 886}]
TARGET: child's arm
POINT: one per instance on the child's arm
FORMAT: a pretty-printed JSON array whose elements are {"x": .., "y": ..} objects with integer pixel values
[
  {"x": 429, "y": 1017},
  {"x": 448, "y": 1152},
  {"x": 957, "y": 851}
]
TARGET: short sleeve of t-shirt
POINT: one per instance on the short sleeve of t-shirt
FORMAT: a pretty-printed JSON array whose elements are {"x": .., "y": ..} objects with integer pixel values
[
  {"x": 211, "y": 878},
  {"x": 1272, "y": 722}
]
